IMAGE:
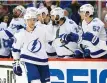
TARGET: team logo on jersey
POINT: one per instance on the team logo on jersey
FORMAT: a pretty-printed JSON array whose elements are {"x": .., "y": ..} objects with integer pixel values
[
  {"x": 34, "y": 46},
  {"x": 13, "y": 26}
]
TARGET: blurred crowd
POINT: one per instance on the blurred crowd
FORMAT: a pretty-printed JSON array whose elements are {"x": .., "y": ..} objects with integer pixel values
[{"x": 71, "y": 7}]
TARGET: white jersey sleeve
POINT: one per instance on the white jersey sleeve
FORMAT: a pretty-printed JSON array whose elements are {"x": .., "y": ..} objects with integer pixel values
[{"x": 16, "y": 47}]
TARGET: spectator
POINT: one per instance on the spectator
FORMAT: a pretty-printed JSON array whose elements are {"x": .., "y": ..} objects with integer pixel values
[
  {"x": 75, "y": 16},
  {"x": 1, "y": 12},
  {"x": 65, "y": 4},
  {"x": 67, "y": 12},
  {"x": 49, "y": 4}
]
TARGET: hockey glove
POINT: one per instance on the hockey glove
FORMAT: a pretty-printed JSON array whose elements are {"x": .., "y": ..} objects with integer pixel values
[
  {"x": 90, "y": 37},
  {"x": 86, "y": 53},
  {"x": 63, "y": 39},
  {"x": 78, "y": 54},
  {"x": 72, "y": 37},
  {"x": 8, "y": 42},
  {"x": 17, "y": 69}
]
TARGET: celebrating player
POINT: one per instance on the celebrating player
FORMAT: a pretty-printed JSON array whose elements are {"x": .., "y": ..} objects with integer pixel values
[
  {"x": 91, "y": 25},
  {"x": 17, "y": 22},
  {"x": 29, "y": 48},
  {"x": 63, "y": 26}
]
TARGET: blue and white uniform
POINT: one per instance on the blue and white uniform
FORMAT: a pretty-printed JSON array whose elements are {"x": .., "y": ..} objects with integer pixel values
[
  {"x": 4, "y": 49},
  {"x": 4, "y": 36},
  {"x": 30, "y": 48},
  {"x": 96, "y": 27},
  {"x": 7, "y": 33},
  {"x": 16, "y": 24},
  {"x": 66, "y": 28}
]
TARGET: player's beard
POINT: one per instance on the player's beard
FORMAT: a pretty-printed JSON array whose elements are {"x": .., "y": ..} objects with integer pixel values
[
  {"x": 15, "y": 16},
  {"x": 46, "y": 21}
]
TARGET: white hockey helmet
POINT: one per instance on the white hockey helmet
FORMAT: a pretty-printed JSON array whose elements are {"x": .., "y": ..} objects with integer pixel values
[
  {"x": 30, "y": 14},
  {"x": 87, "y": 8},
  {"x": 31, "y": 9},
  {"x": 42, "y": 10},
  {"x": 57, "y": 11},
  {"x": 21, "y": 8}
]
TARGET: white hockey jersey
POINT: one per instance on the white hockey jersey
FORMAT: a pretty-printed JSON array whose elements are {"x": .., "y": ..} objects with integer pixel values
[
  {"x": 16, "y": 24},
  {"x": 31, "y": 46},
  {"x": 4, "y": 50},
  {"x": 8, "y": 32},
  {"x": 96, "y": 27},
  {"x": 66, "y": 28}
]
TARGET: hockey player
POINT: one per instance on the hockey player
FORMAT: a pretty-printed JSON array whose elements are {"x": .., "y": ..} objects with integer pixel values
[
  {"x": 45, "y": 22},
  {"x": 4, "y": 46},
  {"x": 4, "y": 50},
  {"x": 29, "y": 48},
  {"x": 6, "y": 37},
  {"x": 94, "y": 26},
  {"x": 63, "y": 26},
  {"x": 42, "y": 14},
  {"x": 17, "y": 22},
  {"x": 96, "y": 40}
]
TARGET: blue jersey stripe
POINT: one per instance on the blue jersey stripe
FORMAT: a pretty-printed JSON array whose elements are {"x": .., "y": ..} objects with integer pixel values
[
  {"x": 15, "y": 50},
  {"x": 33, "y": 58},
  {"x": 8, "y": 33},
  {"x": 97, "y": 52},
  {"x": 106, "y": 42},
  {"x": 96, "y": 42}
]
